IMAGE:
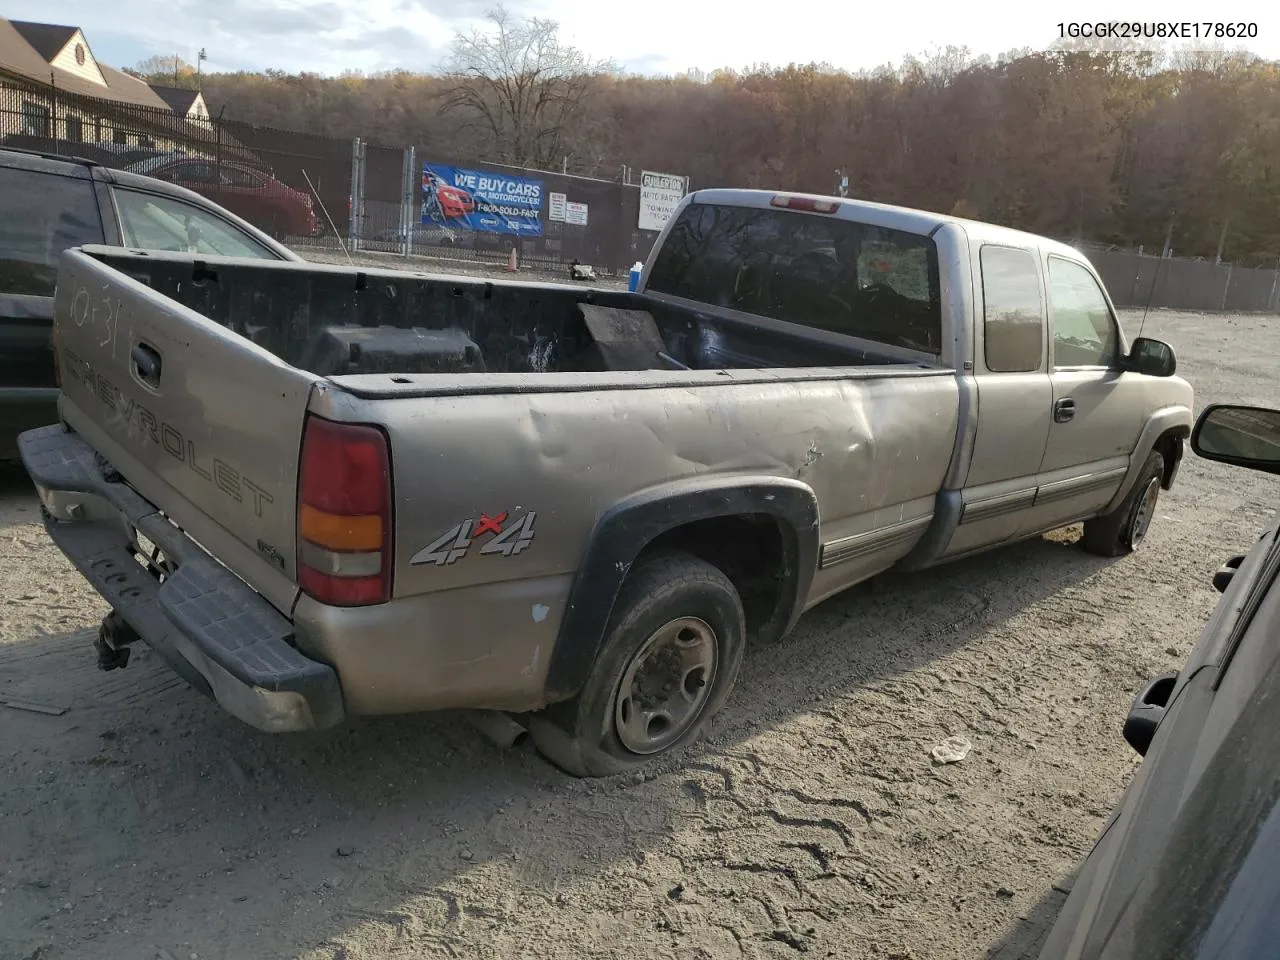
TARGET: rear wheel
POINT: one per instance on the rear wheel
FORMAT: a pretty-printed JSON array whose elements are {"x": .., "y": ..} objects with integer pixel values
[
  {"x": 669, "y": 658},
  {"x": 1123, "y": 529}
]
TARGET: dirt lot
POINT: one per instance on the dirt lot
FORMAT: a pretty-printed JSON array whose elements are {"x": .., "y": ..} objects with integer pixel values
[{"x": 144, "y": 823}]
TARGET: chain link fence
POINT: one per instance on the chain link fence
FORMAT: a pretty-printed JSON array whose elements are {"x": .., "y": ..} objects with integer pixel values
[
  {"x": 1137, "y": 279},
  {"x": 321, "y": 193}
]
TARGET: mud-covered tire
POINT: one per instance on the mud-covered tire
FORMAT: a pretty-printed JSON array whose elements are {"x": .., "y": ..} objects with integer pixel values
[
  {"x": 1123, "y": 529},
  {"x": 672, "y": 613}
]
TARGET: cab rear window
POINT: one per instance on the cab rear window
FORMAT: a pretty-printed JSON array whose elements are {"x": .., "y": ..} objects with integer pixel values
[
  {"x": 811, "y": 269},
  {"x": 42, "y": 214}
]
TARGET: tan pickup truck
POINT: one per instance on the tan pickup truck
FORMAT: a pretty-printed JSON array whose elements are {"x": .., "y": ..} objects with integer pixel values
[{"x": 329, "y": 491}]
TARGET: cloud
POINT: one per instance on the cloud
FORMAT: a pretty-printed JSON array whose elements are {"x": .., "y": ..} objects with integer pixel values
[
  {"x": 248, "y": 19},
  {"x": 322, "y": 36}
]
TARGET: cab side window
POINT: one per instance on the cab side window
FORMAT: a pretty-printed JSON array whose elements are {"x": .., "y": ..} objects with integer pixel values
[
  {"x": 42, "y": 214},
  {"x": 1084, "y": 332},
  {"x": 152, "y": 222},
  {"x": 1013, "y": 312}
]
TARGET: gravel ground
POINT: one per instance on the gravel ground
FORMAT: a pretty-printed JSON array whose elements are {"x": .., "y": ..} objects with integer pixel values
[{"x": 144, "y": 823}]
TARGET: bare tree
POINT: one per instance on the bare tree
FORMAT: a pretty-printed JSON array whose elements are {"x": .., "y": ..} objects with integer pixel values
[
  {"x": 165, "y": 70},
  {"x": 520, "y": 87}
]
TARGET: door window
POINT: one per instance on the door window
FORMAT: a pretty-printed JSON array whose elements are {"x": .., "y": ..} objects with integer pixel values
[
  {"x": 152, "y": 222},
  {"x": 1013, "y": 315},
  {"x": 237, "y": 177},
  {"x": 41, "y": 215},
  {"x": 1084, "y": 332},
  {"x": 201, "y": 173}
]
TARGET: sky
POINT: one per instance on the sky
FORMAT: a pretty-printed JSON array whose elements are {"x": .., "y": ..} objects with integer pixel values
[{"x": 651, "y": 37}]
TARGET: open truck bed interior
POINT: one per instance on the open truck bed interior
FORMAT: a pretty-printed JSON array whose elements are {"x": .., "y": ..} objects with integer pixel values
[{"x": 340, "y": 321}]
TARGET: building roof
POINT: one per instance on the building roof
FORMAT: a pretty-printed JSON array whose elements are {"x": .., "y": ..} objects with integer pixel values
[
  {"x": 25, "y": 57},
  {"x": 178, "y": 99},
  {"x": 48, "y": 39}
]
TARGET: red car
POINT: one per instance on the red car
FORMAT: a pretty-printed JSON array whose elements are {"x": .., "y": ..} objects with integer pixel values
[
  {"x": 272, "y": 206},
  {"x": 455, "y": 203}
]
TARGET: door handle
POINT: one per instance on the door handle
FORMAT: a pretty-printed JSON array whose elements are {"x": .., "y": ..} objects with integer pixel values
[
  {"x": 1222, "y": 579},
  {"x": 1064, "y": 410},
  {"x": 145, "y": 360},
  {"x": 1147, "y": 711}
]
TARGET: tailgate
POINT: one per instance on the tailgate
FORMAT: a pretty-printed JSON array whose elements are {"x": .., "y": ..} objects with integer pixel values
[{"x": 204, "y": 423}]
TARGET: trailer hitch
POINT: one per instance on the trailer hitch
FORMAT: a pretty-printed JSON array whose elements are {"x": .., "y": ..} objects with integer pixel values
[{"x": 112, "y": 642}]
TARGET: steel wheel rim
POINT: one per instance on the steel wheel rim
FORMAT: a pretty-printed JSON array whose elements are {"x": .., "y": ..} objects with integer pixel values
[
  {"x": 1146, "y": 510},
  {"x": 666, "y": 685}
]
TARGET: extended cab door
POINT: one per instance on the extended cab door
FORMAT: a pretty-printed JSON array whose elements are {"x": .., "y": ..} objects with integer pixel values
[
  {"x": 1014, "y": 397},
  {"x": 1097, "y": 408}
]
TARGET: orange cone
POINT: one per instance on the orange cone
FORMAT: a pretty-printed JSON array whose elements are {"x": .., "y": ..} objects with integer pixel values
[{"x": 512, "y": 264}]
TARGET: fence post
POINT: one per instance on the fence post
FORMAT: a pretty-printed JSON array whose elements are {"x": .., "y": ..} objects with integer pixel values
[
  {"x": 53, "y": 108},
  {"x": 355, "y": 227},
  {"x": 408, "y": 207},
  {"x": 217, "y": 142}
]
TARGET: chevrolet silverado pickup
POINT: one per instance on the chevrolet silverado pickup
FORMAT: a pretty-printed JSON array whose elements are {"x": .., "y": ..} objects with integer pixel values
[{"x": 320, "y": 492}]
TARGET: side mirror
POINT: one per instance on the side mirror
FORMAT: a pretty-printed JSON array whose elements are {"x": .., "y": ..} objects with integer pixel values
[
  {"x": 1242, "y": 436},
  {"x": 1151, "y": 357}
]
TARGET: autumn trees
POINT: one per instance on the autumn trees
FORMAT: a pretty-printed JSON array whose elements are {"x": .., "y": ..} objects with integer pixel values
[{"x": 1112, "y": 147}]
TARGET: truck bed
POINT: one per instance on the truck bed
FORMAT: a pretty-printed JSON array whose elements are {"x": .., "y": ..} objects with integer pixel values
[{"x": 336, "y": 321}]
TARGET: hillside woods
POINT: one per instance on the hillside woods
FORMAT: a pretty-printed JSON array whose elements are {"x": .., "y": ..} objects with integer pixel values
[{"x": 1118, "y": 148}]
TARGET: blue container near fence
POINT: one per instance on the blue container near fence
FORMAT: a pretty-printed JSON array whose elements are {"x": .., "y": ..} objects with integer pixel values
[{"x": 633, "y": 280}]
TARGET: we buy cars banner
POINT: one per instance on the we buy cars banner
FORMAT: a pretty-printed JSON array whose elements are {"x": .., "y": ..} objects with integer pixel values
[{"x": 481, "y": 200}]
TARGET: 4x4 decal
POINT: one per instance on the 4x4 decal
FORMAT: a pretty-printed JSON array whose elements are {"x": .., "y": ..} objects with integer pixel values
[{"x": 453, "y": 545}]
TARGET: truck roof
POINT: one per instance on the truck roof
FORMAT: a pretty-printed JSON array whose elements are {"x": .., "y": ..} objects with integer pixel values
[{"x": 905, "y": 218}]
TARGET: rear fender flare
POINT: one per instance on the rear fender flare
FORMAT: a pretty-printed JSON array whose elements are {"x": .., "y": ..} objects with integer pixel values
[{"x": 623, "y": 532}]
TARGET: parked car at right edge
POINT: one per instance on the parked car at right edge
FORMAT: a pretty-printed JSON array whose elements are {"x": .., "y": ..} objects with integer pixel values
[
  {"x": 574, "y": 505},
  {"x": 1187, "y": 866}
]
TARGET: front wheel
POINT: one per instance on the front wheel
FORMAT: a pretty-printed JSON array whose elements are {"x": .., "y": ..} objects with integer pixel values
[
  {"x": 669, "y": 658},
  {"x": 1123, "y": 529}
]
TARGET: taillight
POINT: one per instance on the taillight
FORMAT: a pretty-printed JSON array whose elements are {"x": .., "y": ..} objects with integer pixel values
[
  {"x": 808, "y": 204},
  {"x": 344, "y": 514}
]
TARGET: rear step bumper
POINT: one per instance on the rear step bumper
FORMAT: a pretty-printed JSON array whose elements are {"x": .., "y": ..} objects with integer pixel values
[{"x": 202, "y": 617}]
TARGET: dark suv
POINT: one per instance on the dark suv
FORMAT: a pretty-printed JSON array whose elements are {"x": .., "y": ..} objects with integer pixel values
[
  {"x": 1188, "y": 866},
  {"x": 49, "y": 203}
]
